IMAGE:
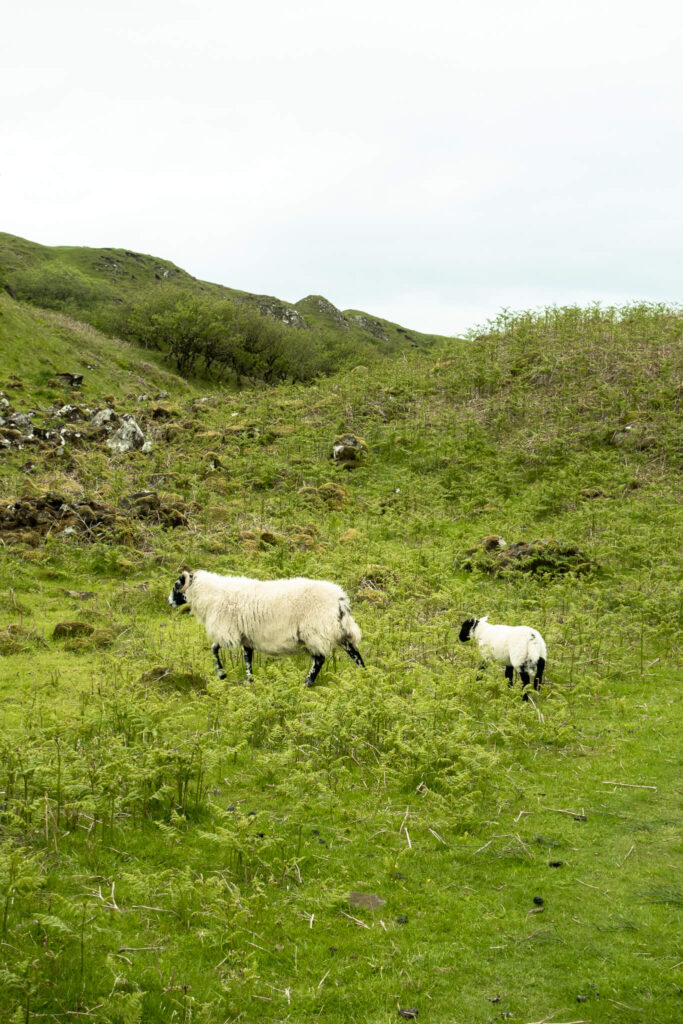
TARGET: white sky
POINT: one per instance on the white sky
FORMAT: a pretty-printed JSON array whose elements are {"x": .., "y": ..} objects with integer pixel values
[{"x": 428, "y": 162}]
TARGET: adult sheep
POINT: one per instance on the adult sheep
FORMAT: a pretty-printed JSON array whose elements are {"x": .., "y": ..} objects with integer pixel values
[
  {"x": 519, "y": 648},
  {"x": 270, "y": 616}
]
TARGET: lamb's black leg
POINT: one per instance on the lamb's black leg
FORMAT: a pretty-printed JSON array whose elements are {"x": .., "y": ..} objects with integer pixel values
[
  {"x": 524, "y": 675},
  {"x": 318, "y": 660},
  {"x": 353, "y": 653},
  {"x": 219, "y": 668},
  {"x": 538, "y": 676},
  {"x": 480, "y": 670},
  {"x": 510, "y": 674},
  {"x": 248, "y": 654}
]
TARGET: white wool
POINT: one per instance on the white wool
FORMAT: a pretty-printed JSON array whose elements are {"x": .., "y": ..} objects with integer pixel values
[
  {"x": 272, "y": 616},
  {"x": 515, "y": 646}
]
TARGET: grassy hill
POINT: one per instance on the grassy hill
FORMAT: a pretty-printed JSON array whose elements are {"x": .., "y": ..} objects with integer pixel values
[
  {"x": 174, "y": 847},
  {"x": 101, "y": 286}
]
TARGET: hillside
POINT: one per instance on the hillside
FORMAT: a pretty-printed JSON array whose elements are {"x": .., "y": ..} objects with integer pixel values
[
  {"x": 101, "y": 286},
  {"x": 413, "y": 837}
]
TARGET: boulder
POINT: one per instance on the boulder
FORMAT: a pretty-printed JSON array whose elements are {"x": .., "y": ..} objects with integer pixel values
[
  {"x": 128, "y": 437},
  {"x": 103, "y": 418},
  {"x": 72, "y": 380}
]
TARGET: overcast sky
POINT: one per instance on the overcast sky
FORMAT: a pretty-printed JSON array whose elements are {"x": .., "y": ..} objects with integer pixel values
[{"x": 429, "y": 162}]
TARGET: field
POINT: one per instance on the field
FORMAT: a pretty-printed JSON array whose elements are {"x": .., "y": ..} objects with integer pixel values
[{"x": 409, "y": 841}]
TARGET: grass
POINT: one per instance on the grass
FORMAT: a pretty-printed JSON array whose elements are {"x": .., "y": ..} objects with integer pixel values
[
  {"x": 98, "y": 285},
  {"x": 173, "y": 847}
]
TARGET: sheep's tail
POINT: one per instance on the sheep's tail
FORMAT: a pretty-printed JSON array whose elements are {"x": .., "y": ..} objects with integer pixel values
[
  {"x": 536, "y": 651},
  {"x": 351, "y": 634}
]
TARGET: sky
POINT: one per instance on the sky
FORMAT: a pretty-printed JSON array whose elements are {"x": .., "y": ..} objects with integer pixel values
[{"x": 431, "y": 163}]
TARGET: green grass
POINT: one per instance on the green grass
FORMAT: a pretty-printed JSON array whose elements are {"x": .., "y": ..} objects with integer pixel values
[
  {"x": 183, "y": 849},
  {"x": 100, "y": 285}
]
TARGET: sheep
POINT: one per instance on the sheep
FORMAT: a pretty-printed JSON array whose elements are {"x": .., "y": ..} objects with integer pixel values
[
  {"x": 519, "y": 648},
  {"x": 271, "y": 616}
]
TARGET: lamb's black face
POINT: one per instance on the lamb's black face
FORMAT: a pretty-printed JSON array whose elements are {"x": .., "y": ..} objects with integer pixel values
[
  {"x": 466, "y": 629},
  {"x": 177, "y": 596}
]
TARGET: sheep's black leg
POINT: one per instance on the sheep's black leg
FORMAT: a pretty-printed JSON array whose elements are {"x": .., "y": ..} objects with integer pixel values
[
  {"x": 509, "y": 675},
  {"x": 219, "y": 668},
  {"x": 318, "y": 660},
  {"x": 524, "y": 675},
  {"x": 248, "y": 654},
  {"x": 353, "y": 653},
  {"x": 538, "y": 675}
]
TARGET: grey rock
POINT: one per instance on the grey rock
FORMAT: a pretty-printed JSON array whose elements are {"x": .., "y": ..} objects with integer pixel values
[
  {"x": 19, "y": 420},
  {"x": 104, "y": 418},
  {"x": 128, "y": 437},
  {"x": 72, "y": 413},
  {"x": 73, "y": 380}
]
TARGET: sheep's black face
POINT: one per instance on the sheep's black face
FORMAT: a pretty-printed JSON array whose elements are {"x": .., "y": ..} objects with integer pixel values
[
  {"x": 466, "y": 629},
  {"x": 177, "y": 596}
]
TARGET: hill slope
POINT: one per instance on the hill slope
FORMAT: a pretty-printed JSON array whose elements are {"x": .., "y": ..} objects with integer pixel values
[
  {"x": 98, "y": 285},
  {"x": 174, "y": 844}
]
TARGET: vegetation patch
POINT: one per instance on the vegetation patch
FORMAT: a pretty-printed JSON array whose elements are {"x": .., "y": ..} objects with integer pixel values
[
  {"x": 413, "y": 837},
  {"x": 538, "y": 557}
]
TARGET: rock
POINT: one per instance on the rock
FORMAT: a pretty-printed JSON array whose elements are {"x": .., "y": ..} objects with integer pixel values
[
  {"x": 160, "y": 397},
  {"x": 19, "y": 420},
  {"x": 128, "y": 437},
  {"x": 369, "y": 325},
  {"x": 80, "y": 595},
  {"x": 72, "y": 629},
  {"x": 71, "y": 413},
  {"x": 50, "y": 512},
  {"x": 72, "y": 380},
  {"x": 366, "y": 899},
  {"x": 348, "y": 450},
  {"x": 103, "y": 418},
  {"x": 409, "y": 1014}
]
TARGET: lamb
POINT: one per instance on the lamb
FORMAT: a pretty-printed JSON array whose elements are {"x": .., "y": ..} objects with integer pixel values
[
  {"x": 271, "y": 616},
  {"x": 519, "y": 648}
]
